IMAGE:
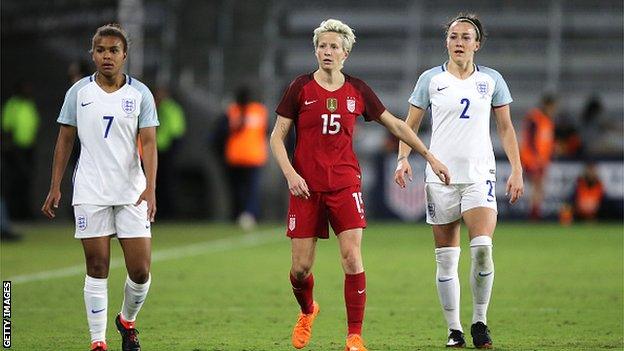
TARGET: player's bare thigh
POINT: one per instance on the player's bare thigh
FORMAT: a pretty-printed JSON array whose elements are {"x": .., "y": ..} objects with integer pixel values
[
  {"x": 350, "y": 250},
  {"x": 303, "y": 251},
  {"x": 446, "y": 235},
  {"x": 480, "y": 221},
  {"x": 97, "y": 256},
  {"x": 138, "y": 256}
]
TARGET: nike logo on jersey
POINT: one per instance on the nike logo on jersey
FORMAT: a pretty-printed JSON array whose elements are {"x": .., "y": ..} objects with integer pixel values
[
  {"x": 440, "y": 89},
  {"x": 361, "y": 291},
  {"x": 97, "y": 311},
  {"x": 445, "y": 280},
  {"x": 481, "y": 274},
  {"x": 309, "y": 102},
  {"x": 83, "y": 104}
]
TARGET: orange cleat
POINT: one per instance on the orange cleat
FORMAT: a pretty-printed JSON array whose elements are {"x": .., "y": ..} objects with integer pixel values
[
  {"x": 98, "y": 346},
  {"x": 355, "y": 343},
  {"x": 303, "y": 329}
]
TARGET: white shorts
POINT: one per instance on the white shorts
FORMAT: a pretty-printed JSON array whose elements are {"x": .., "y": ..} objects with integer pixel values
[
  {"x": 447, "y": 203},
  {"x": 127, "y": 221}
]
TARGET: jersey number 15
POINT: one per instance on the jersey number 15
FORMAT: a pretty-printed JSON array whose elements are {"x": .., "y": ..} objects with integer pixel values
[{"x": 331, "y": 123}]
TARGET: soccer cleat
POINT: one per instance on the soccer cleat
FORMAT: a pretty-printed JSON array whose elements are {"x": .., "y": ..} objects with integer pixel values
[
  {"x": 129, "y": 335},
  {"x": 98, "y": 346},
  {"x": 303, "y": 329},
  {"x": 481, "y": 336},
  {"x": 355, "y": 343},
  {"x": 456, "y": 339}
]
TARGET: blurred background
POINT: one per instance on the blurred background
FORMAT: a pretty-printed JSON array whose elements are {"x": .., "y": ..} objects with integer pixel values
[{"x": 202, "y": 59}]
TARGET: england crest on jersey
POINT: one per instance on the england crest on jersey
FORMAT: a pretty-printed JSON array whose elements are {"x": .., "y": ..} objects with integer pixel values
[
  {"x": 81, "y": 222},
  {"x": 128, "y": 105},
  {"x": 482, "y": 88},
  {"x": 351, "y": 104}
]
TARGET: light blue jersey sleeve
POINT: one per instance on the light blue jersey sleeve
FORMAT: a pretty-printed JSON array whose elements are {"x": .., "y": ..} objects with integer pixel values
[
  {"x": 148, "y": 116},
  {"x": 501, "y": 95},
  {"x": 68, "y": 112},
  {"x": 420, "y": 96}
]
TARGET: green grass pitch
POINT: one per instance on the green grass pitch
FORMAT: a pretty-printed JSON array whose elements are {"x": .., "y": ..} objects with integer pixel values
[{"x": 216, "y": 288}]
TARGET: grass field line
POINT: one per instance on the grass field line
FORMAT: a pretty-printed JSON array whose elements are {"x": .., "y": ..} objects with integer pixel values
[{"x": 200, "y": 248}]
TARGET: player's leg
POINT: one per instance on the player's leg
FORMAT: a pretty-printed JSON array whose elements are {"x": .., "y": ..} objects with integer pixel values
[
  {"x": 94, "y": 225},
  {"x": 133, "y": 231},
  {"x": 537, "y": 193},
  {"x": 443, "y": 213},
  {"x": 480, "y": 218},
  {"x": 306, "y": 223}
]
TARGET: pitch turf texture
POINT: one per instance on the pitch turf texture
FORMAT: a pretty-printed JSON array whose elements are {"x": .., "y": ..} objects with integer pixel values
[{"x": 216, "y": 288}]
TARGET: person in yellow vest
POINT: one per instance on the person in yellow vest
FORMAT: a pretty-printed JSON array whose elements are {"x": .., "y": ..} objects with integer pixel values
[
  {"x": 536, "y": 149},
  {"x": 20, "y": 123},
  {"x": 245, "y": 154},
  {"x": 168, "y": 137}
]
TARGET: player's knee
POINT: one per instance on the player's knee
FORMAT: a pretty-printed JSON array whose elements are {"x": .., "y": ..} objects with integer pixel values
[
  {"x": 351, "y": 259},
  {"x": 447, "y": 259},
  {"x": 97, "y": 267},
  {"x": 300, "y": 270},
  {"x": 481, "y": 252},
  {"x": 139, "y": 275}
]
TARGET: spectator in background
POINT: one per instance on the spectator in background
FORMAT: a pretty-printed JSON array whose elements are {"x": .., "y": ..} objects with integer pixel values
[
  {"x": 588, "y": 194},
  {"x": 536, "y": 149},
  {"x": 567, "y": 138},
  {"x": 20, "y": 122},
  {"x": 168, "y": 138},
  {"x": 245, "y": 154},
  {"x": 77, "y": 70},
  {"x": 592, "y": 127}
]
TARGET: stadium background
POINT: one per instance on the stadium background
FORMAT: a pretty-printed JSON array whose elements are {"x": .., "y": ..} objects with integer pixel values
[
  {"x": 557, "y": 288},
  {"x": 203, "y": 50}
]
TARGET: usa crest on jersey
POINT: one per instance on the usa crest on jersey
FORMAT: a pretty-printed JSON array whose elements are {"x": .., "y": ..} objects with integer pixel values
[
  {"x": 351, "y": 104},
  {"x": 128, "y": 105}
]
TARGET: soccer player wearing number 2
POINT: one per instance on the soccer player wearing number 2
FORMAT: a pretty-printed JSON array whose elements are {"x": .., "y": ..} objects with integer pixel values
[
  {"x": 461, "y": 96},
  {"x": 110, "y": 111},
  {"x": 324, "y": 179}
]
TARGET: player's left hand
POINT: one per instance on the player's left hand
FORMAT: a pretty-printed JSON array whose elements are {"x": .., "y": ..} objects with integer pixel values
[
  {"x": 149, "y": 196},
  {"x": 515, "y": 187}
]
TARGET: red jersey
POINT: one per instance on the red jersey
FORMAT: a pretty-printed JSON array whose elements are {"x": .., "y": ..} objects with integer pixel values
[{"x": 324, "y": 124}]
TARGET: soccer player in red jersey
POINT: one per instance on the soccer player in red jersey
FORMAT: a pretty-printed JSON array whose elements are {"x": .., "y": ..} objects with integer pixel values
[{"x": 324, "y": 179}]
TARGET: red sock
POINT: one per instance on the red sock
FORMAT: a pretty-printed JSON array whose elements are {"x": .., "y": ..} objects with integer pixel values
[
  {"x": 355, "y": 300},
  {"x": 302, "y": 289}
]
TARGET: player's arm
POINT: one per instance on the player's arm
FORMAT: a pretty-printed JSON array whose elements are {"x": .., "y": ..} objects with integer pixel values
[
  {"x": 413, "y": 120},
  {"x": 147, "y": 137},
  {"x": 296, "y": 184},
  {"x": 401, "y": 130},
  {"x": 507, "y": 135},
  {"x": 62, "y": 152}
]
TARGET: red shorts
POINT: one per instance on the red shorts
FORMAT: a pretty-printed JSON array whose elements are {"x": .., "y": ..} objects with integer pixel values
[{"x": 343, "y": 208}]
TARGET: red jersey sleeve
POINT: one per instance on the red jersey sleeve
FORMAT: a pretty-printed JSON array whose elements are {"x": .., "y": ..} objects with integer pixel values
[
  {"x": 289, "y": 105},
  {"x": 373, "y": 107}
]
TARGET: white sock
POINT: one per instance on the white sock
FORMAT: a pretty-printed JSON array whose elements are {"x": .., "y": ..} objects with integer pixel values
[
  {"x": 134, "y": 296},
  {"x": 481, "y": 276},
  {"x": 96, "y": 303},
  {"x": 447, "y": 281}
]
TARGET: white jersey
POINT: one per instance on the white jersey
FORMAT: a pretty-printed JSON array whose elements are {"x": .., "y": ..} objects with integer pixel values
[
  {"x": 109, "y": 170},
  {"x": 460, "y": 111}
]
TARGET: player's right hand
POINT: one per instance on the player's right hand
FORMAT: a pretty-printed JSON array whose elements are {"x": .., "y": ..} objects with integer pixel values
[
  {"x": 51, "y": 203},
  {"x": 403, "y": 168},
  {"x": 440, "y": 170},
  {"x": 297, "y": 186}
]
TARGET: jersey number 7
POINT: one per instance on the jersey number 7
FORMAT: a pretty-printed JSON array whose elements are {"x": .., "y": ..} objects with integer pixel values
[{"x": 108, "y": 126}]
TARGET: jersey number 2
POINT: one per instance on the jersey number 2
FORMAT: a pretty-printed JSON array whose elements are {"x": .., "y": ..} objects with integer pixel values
[
  {"x": 463, "y": 114},
  {"x": 110, "y": 122},
  {"x": 331, "y": 124}
]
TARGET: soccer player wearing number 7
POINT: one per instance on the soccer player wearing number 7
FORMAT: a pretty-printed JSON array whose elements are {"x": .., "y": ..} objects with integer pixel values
[
  {"x": 324, "y": 179},
  {"x": 461, "y": 96},
  {"x": 109, "y": 111}
]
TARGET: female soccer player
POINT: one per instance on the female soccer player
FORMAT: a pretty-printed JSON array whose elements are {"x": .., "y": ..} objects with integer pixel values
[
  {"x": 461, "y": 95},
  {"x": 110, "y": 112},
  {"x": 324, "y": 179}
]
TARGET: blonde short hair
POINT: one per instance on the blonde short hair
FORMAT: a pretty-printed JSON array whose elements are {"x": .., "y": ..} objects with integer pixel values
[{"x": 336, "y": 26}]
